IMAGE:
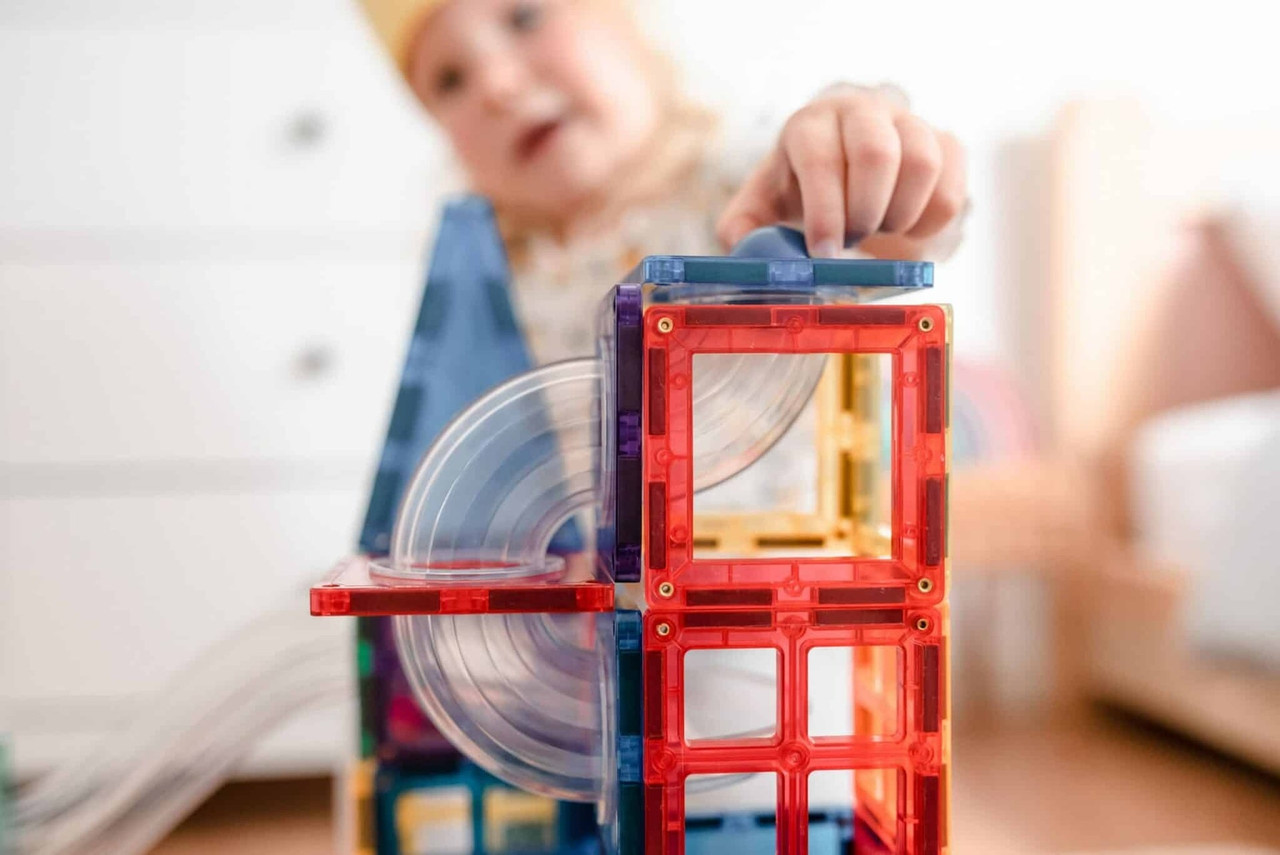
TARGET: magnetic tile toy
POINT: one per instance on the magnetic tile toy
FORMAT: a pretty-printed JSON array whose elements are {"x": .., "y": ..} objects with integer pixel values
[{"x": 566, "y": 672}]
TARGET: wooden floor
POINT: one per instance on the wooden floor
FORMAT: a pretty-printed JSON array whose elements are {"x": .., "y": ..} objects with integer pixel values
[
  {"x": 1108, "y": 785},
  {"x": 1112, "y": 785}
]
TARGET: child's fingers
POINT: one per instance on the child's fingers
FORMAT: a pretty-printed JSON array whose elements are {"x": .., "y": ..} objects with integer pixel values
[
  {"x": 815, "y": 157},
  {"x": 754, "y": 205},
  {"x": 848, "y": 167},
  {"x": 918, "y": 174},
  {"x": 873, "y": 154},
  {"x": 948, "y": 198}
]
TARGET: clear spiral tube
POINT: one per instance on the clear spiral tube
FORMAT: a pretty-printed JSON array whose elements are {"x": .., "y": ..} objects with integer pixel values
[{"x": 506, "y": 490}]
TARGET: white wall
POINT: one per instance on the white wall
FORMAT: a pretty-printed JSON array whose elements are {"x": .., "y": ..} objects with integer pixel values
[{"x": 991, "y": 70}]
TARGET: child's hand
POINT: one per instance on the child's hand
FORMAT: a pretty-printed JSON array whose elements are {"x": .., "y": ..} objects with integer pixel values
[{"x": 849, "y": 164}]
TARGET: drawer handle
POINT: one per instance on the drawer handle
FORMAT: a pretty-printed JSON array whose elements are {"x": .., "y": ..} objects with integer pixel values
[
  {"x": 307, "y": 130},
  {"x": 315, "y": 362}
]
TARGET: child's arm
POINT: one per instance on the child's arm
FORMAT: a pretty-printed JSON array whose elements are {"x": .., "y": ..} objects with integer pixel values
[{"x": 854, "y": 166}]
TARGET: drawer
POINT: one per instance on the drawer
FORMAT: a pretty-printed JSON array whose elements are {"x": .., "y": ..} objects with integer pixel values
[
  {"x": 44, "y": 736},
  {"x": 193, "y": 362},
  {"x": 102, "y": 598},
  {"x": 209, "y": 130}
]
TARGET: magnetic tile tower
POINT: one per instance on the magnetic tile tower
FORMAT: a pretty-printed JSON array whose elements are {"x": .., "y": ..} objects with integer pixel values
[{"x": 840, "y": 578}]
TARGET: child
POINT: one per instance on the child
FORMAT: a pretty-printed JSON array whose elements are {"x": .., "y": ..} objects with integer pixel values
[{"x": 574, "y": 129}]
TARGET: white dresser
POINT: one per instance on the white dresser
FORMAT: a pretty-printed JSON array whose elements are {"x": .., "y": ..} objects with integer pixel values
[{"x": 212, "y": 223}]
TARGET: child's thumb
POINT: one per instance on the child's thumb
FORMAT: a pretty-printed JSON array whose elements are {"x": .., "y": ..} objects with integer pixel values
[
  {"x": 734, "y": 226},
  {"x": 751, "y": 207}
]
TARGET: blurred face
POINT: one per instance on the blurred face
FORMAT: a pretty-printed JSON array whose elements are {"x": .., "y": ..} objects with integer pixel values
[{"x": 545, "y": 101}]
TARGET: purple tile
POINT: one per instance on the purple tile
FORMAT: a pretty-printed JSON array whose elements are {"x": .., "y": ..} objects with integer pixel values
[{"x": 629, "y": 383}]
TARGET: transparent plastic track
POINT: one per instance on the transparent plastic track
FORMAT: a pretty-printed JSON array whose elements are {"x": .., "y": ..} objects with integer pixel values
[
  {"x": 518, "y": 464},
  {"x": 125, "y": 795},
  {"x": 745, "y": 402},
  {"x": 506, "y": 491}
]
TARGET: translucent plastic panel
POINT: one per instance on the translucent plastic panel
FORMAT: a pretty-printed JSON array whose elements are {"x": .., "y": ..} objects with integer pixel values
[
  {"x": 504, "y": 478},
  {"x": 749, "y": 676},
  {"x": 874, "y": 693},
  {"x": 517, "y": 822},
  {"x": 831, "y": 790},
  {"x": 748, "y": 803},
  {"x": 521, "y": 694},
  {"x": 743, "y": 403},
  {"x": 435, "y": 820},
  {"x": 793, "y": 455}
]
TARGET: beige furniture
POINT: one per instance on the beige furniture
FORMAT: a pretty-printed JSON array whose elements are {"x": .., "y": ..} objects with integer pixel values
[{"x": 1138, "y": 235}]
